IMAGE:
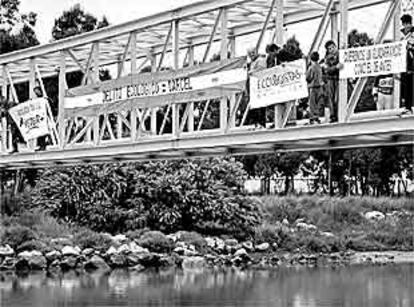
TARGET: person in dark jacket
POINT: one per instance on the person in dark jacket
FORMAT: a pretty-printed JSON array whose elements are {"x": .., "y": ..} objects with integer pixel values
[
  {"x": 315, "y": 85},
  {"x": 16, "y": 137},
  {"x": 407, "y": 80},
  {"x": 331, "y": 67}
]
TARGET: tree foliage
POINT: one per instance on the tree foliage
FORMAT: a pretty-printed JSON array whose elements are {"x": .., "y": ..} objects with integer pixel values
[
  {"x": 76, "y": 21},
  {"x": 16, "y": 30},
  {"x": 199, "y": 195}
]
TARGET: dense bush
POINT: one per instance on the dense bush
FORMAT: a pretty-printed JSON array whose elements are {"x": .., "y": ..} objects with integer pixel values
[
  {"x": 86, "y": 238},
  {"x": 156, "y": 241},
  {"x": 15, "y": 235},
  {"x": 198, "y": 195}
]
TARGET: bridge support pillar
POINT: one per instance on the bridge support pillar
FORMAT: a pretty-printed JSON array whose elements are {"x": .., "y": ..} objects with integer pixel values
[{"x": 343, "y": 44}]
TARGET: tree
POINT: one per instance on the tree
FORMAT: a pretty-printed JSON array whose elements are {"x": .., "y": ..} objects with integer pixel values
[
  {"x": 366, "y": 101},
  {"x": 75, "y": 21},
  {"x": 16, "y": 30}
]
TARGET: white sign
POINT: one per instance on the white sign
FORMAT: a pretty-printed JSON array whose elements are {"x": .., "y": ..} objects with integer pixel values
[
  {"x": 278, "y": 84},
  {"x": 374, "y": 60},
  {"x": 160, "y": 88},
  {"x": 31, "y": 118}
]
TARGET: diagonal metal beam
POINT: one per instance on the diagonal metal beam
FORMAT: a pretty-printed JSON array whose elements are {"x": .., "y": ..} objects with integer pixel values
[
  {"x": 322, "y": 25},
  {"x": 164, "y": 49},
  {"x": 212, "y": 34},
  {"x": 125, "y": 54},
  {"x": 266, "y": 23}
]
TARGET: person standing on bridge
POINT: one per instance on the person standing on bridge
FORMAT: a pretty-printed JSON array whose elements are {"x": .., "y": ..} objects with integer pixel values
[
  {"x": 315, "y": 85},
  {"x": 16, "y": 137},
  {"x": 257, "y": 62},
  {"x": 41, "y": 141},
  {"x": 407, "y": 80},
  {"x": 331, "y": 69}
]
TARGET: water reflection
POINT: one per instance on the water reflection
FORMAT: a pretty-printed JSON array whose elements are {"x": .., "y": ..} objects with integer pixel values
[{"x": 355, "y": 286}]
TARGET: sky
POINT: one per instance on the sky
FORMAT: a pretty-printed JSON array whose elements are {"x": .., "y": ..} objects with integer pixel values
[{"x": 120, "y": 11}]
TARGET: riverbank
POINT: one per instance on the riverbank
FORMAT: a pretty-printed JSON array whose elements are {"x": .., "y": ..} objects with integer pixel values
[{"x": 304, "y": 231}]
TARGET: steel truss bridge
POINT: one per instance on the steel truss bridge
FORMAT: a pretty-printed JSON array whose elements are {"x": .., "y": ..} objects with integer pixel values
[{"x": 186, "y": 37}]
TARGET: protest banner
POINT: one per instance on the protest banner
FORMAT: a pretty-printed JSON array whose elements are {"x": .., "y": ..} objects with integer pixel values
[
  {"x": 373, "y": 60},
  {"x": 31, "y": 118},
  {"x": 208, "y": 81},
  {"x": 278, "y": 84}
]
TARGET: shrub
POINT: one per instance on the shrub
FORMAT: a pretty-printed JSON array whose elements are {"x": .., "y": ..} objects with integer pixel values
[
  {"x": 199, "y": 195},
  {"x": 33, "y": 245},
  {"x": 267, "y": 232},
  {"x": 15, "y": 235},
  {"x": 86, "y": 238},
  {"x": 194, "y": 239},
  {"x": 156, "y": 241}
]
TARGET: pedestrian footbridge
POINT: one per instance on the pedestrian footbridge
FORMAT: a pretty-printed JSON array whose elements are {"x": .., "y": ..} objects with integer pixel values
[{"x": 167, "y": 99}]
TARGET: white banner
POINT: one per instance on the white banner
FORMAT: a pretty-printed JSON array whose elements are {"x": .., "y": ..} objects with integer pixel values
[
  {"x": 374, "y": 60},
  {"x": 160, "y": 88},
  {"x": 278, "y": 84},
  {"x": 31, "y": 118}
]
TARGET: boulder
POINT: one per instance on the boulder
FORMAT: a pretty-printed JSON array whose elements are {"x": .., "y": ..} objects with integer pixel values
[
  {"x": 22, "y": 265},
  {"x": 120, "y": 239},
  {"x": 241, "y": 253},
  {"x": 54, "y": 266},
  {"x": 8, "y": 264},
  {"x": 6, "y": 251},
  {"x": 53, "y": 255},
  {"x": 136, "y": 249},
  {"x": 220, "y": 244},
  {"x": 149, "y": 260},
  {"x": 124, "y": 249},
  {"x": 117, "y": 261},
  {"x": 306, "y": 227},
  {"x": 35, "y": 259},
  {"x": 248, "y": 246},
  {"x": 69, "y": 262},
  {"x": 88, "y": 252},
  {"x": 262, "y": 247},
  {"x": 231, "y": 242},
  {"x": 111, "y": 251},
  {"x": 96, "y": 263},
  {"x": 211, "y": 242},
  {"x": 193, "y": 263},
  {"x": 71, "y": 251},
  {"x": 374, "y": 216}
]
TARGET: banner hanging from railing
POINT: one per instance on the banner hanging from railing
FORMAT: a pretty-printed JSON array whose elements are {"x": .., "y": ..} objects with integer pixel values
[
  {"x": 279, "y": 84},
  {"x": 204, "y": 82},
  {"x": 31, "y": 118},
  {"x": 373, "y": 60}
]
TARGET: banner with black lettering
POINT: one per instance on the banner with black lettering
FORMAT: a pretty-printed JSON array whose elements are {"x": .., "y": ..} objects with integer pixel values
[
  {"x": 279, "y": 84},
  {"x": 373, "y": 60},
  {"x": 31, "y": 118},
  {"x": 204, "y": 82}
]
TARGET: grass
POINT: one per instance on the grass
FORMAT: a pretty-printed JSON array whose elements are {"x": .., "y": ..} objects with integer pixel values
[{"x": 343, "y": 217}]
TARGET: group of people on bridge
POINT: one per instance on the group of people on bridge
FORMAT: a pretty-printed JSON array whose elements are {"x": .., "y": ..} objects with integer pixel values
[{"x": 322, "y": 77}]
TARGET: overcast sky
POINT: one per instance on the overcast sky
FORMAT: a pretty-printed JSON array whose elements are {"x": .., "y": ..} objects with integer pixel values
[{"x": 118, "y": 11}]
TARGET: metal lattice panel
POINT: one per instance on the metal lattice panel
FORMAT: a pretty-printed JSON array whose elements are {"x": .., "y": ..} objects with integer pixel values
[{"x": 196, "y": 21}]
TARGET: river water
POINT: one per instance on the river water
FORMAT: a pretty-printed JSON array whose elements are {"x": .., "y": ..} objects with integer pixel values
[{"x": 296, "y": 287}]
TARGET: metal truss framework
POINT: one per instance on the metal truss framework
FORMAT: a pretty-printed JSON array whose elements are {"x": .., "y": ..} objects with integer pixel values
[{"x": 176, "y": 35}]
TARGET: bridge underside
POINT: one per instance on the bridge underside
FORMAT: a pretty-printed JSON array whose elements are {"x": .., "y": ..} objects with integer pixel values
[{"x": 362, "y": 134}]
